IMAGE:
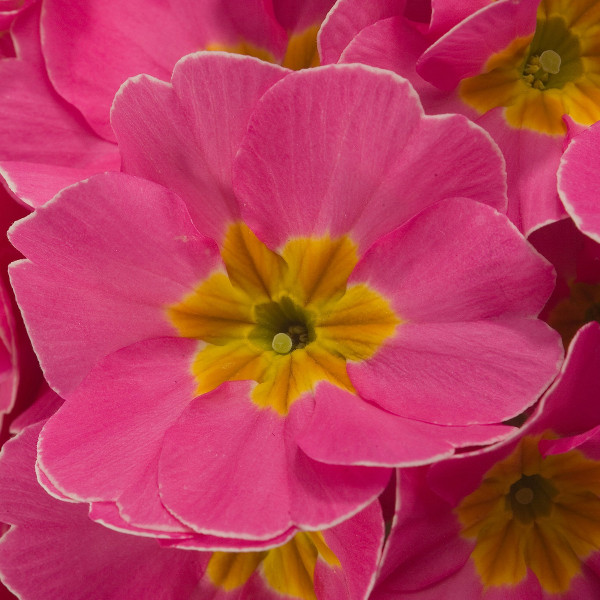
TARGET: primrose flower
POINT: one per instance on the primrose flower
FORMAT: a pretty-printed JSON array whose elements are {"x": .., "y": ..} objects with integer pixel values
[
  {"x": 517, "y": 520},
  {"x": 54, "y": 550},
  {"x": 71, "y": 59},
  {"x": 518, "y": 69},
  {"x": 228, "y": 355},
  {"x": 576, "y": 258},
  {"x": 579, "y": 181}
]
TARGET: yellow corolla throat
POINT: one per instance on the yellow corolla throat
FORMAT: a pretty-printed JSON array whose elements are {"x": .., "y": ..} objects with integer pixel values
[
  {"x": 536, "y": 513},
  {"x": 301, "y": 51},
  {"x": 286, "y": 321},
  {"x": 581, "y": 307},
  {"x": 287, "y": 569},
  {"x": 553, "y": 72}
]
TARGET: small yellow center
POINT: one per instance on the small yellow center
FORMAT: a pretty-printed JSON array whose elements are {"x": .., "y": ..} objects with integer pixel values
[
  {"x": 285, "y": 321},
  {"x": 301, "y": 51},
  {"x": 536, "y": 513},
  {"x": 540, "y": 78},
  {"x": 581, "y": 307},
  {"x": 288, "y": 569}
]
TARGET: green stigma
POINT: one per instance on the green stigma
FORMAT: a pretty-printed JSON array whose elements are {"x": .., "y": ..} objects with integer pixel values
[{"x": 282, "y": 343}]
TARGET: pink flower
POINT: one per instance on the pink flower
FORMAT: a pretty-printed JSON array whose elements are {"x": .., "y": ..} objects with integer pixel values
[
  {"x": 576, "y": 258},
  {"x": 54, "y": 550},
  {"x": 579, "y": 181},
  {"x": 517, "y": 520},
  {"x": 503, "y": 68},
  {"x": 226, "y": 374},
  {"x": 56, "y": 95}
]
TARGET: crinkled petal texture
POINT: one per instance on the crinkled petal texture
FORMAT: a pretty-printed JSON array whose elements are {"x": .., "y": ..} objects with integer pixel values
[
  {"x": 579, "y": 181},
  {"x": 431, "y": 553},
  {"x": 153, "y": 332}
]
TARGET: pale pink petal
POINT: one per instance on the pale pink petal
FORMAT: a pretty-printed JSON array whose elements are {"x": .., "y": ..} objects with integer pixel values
[
  {"x": 185, "y": 136},
  {"x": 250, "y": 480},
  {"x": 116, "y": 421},
  {"x": 453, "y": 273},
  {"x": 54, "y": 550},
  {"x": 347, "y": 18},
  {"x": 355, "y": 156},
  {"x": 380, "y": 438},
  {"x": 464, "y": 51},
  {"x": 461, "y": 373},
  {"x": 579, "y": 181},
  {"x": 128, "y": 249}
]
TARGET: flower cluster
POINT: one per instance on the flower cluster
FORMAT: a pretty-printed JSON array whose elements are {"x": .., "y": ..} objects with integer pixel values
[{"x": 290, "y": 290}]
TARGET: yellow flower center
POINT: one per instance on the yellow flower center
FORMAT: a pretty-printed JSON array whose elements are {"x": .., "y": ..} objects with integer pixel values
[
  {"x": 554, "y": 72},
  {"x": 535, "y": 513},
  {"x": 286, "y": 321},
  {"x": 301, "y": 51},
  {"x": 288, "y": 569},
  {"x": 581, "y": 307}
]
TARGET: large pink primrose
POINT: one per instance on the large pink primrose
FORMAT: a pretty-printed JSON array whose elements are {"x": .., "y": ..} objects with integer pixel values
[
  {"x": 56, "y": 94},
  {"x": 517, "y": 68},
  {"x": 53, "y": 550},
  {"x": 517, "y": 520},
  {"x": 228, "y": 355}
]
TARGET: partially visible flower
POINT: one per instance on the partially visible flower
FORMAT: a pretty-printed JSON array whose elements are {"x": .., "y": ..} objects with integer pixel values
[
  {"x": 232, "y": 384},
  {"x": 576, "y": 258},
  {"x": 517, "y": 520},
  {"x": 516, "y": 68},
  {"x": 579, "y": 180},
  {"x": 54, "y": 550},
  {"x": 56, "y": 96}
]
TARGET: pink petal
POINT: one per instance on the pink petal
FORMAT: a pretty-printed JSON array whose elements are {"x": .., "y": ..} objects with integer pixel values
[
  {"x": 461, "y": 373},
  {"x": 431, "y": 273},
  {"x": 464, "y": 51},
  {"x": 103, "y": 444},
  {"x": 54, "y": 551},
  {"x": 185, "y": 136},
  {"x": 45, "y": 405},
  {"x": 347, "y": 18},
  {"x": 231, "y": 469},
  {"x": 298, "y": 15},
  {"x": 445, "y": 14},
  {"x": 380, "y": 162},
  {"x": 357, "y": 543},
  {"x": 378, "y": 437},
  {"x": 579, "y": 181},
  {"x": 127, "y": 250}
]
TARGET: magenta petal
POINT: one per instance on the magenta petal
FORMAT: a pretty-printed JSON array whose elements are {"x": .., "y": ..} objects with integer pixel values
[
  {"x": 54, "y": 550},
  {"x": 357, "y": 543},
  {"x": 185, "y": 136},
  {"x": 101, "y": 445},
  {"x": 347, "y": 18},
  {"x": 424, "y": 545},
  {"x": 380, "y": 162},
  {"x": 297, "y": 15},
  {"x": 128, "y": 250},
  {"x": 461, "y": 373},
  {"x": 379, "y": 437},
  {"x": 464, "y": 50},
  {"x": 231, "y": 469},
  {"x": 579, "y": 181}
]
